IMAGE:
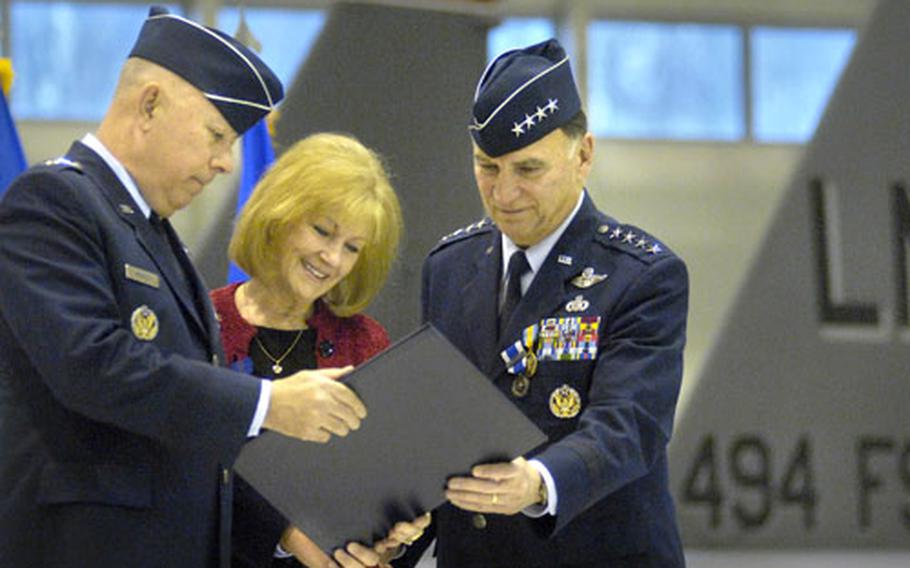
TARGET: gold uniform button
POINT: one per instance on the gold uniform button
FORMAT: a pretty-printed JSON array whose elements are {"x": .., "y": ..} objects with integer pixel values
[{"x": 480, "y": 522}]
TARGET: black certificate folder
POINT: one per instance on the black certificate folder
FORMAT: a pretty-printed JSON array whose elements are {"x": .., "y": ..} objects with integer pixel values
[{"x": 430, "y": 414}]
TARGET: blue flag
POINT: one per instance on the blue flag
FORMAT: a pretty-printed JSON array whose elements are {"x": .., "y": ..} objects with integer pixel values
[
  {"x": 258, "y": 154},
  {"x": 12, "y": 158}
]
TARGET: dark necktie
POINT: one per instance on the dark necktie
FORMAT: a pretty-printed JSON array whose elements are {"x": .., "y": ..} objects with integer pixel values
[
  {"x": 518, "y": 265},
  {"x": 173, "y": 254}
]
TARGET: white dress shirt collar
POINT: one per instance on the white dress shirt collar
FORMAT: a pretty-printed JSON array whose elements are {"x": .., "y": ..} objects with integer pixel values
[
  {"x": 536, "y": 254},
  {"x": 92, "y": 142}
]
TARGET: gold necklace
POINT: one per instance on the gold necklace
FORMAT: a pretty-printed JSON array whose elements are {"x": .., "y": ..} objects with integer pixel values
[{"x": 276, "y": 362}]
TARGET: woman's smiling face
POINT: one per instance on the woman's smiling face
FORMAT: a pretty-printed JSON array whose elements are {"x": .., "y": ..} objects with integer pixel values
[{"x": 318, "y": 254}]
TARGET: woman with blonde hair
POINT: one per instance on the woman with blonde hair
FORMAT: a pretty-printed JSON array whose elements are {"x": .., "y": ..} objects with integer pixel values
[{"x": 317, "y": 239}]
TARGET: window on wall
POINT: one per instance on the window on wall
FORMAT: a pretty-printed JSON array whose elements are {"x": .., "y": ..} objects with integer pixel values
[
  {"x": 794, "y": 71},
  {"x": 72, "y": 75},
  {"x": 686, "y": 81},
  {"x": 665, "y": 80},
  {"x": 518, "y": 32},
  {"x": 286, "y": 35}
]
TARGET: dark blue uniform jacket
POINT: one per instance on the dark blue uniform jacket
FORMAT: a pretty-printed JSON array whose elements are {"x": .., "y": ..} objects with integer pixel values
[
  {"x": 115, "y": 425},
  {"x": 609, "y": 461}
]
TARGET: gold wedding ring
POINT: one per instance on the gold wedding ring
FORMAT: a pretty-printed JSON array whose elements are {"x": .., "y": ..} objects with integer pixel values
[{"x": 413, "y": 538}]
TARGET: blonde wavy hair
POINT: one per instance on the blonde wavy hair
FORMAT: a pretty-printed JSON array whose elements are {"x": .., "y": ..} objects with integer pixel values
[{"x": 324, "y": 174}]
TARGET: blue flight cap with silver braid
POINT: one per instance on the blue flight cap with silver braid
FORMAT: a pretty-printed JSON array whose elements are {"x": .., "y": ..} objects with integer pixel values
[
  {"x": 523, "y": 95},
  {"x": 228, "y": 74}
]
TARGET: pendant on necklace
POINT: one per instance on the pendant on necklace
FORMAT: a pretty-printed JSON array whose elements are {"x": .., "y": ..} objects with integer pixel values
[{"x": 276, "y": 368}]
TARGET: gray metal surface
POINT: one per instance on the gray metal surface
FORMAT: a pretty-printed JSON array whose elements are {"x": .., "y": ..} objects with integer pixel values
[
  {"x": 798, "y": 431},
  {"x": 402, "y": 81}
]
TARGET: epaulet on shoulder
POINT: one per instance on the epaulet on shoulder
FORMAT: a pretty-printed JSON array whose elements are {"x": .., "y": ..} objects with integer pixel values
[
  {"x": 63, "y": 164},
  {"x": 631, "y": 240},
  {"x": 480, "y": 227}
]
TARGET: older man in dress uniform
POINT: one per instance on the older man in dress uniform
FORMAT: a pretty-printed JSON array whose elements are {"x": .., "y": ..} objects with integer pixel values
[{"x": 580, "y": 320}]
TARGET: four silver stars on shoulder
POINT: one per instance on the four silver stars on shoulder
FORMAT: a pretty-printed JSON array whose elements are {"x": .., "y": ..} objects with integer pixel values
[{"x": 627, "y": 236}]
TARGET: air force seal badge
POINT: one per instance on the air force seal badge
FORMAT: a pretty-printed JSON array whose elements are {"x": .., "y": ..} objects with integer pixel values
[
  {"x": 565, "y": 402},
  {"x": 144, "y": 323}
]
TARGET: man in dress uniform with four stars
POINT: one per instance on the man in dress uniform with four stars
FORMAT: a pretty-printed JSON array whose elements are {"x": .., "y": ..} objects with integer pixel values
[{"x": 578, "y": 319}]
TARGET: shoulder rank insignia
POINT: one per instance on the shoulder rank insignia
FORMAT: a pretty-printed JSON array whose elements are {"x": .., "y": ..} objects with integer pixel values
[
  {"x": 65, "y": 162},
  {"x": 144, "y": 323},
  {"x": 467, "y": 230},
  {"x": 629, "y": 237},
  {"x": 587, "y": 278},
  {"x": 565, "y": 402}
]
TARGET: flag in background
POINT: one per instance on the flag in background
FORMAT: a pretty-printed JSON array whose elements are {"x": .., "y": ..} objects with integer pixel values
[
  {"x": 257, "y": 155},
  {"x": 12, "y": 158},
  {"x": 257, "y": 150}
]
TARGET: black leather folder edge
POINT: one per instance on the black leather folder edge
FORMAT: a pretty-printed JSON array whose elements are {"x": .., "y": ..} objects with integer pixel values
[{"x": 431, "y": 414}]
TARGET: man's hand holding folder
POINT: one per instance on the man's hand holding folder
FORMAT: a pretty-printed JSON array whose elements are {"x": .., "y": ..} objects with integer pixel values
[
  {"x": 356, "y": 555},
  {"x": 313, "y": 406},
  {"x": 443, "y": 417}
]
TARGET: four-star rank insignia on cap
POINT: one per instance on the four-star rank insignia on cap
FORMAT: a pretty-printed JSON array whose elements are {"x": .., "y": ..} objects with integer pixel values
[
  {"x": 523, "y": 95},
  {"x": 144, "y": 323}
]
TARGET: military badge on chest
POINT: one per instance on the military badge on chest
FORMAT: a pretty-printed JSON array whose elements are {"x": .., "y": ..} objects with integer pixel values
[
  {"x": 565, "y": 402},
  {"x": 588, "y": 278},
  {"x": 562, "y": 339},
  {"x": 144, "y": 322},
  {"x": 568, "y": 338},
  {"x": 572, "y": 337},
  {"x": 521, "y": 361}
]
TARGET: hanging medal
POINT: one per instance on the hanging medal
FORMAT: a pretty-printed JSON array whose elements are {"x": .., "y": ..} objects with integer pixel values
[{"x": 521, "y": 361}]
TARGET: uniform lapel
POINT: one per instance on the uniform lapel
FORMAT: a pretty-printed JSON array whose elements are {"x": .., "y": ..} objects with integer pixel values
[
  {"x": 479, "y": 301},
  {"x": 199, "y": 292},
  {"x": 154, "y": 243},
  {"x": 549, "y": 288}
]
